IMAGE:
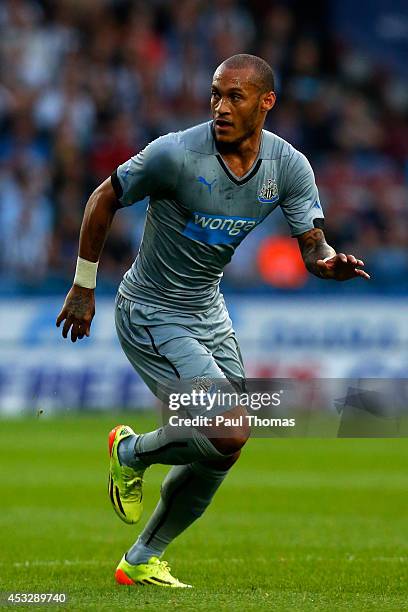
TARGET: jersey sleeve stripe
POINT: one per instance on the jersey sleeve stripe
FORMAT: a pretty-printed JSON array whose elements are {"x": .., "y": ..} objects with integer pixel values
[{"x": 117, "y": 187}]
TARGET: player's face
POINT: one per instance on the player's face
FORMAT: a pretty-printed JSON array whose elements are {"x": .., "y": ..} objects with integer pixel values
[{"x": 238, "y": 106}]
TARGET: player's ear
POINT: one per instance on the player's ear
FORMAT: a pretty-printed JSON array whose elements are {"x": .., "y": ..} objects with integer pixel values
[{"x": 268, "y": 101}]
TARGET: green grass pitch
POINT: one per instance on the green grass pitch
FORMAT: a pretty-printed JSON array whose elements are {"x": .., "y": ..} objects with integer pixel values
[{"x": 298, "y": 525}]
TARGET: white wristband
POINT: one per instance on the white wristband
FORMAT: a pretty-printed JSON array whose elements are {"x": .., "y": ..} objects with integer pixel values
[{"x": 85, "y": 273}]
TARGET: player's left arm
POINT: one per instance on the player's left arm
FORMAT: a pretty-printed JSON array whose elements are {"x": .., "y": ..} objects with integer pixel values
[
  {"x": 323, "y": 261},
  {"x": 303, "y": 211}
]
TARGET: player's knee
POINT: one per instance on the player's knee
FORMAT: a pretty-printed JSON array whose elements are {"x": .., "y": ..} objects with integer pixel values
[
  {"x": 238, "y": 439},
  {"x": 240, "y": 434},
  {"x": 233, "y": 443}
]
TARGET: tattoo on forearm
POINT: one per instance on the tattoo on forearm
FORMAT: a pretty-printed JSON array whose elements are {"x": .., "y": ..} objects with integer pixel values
[
  {"x": 314, "y": 246},
  {"x": 98, "y": 217}
]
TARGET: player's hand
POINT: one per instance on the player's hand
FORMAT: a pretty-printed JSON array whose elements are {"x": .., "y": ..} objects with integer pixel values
[
  {"x": 77, "y": 312},
  {"x": 341, "y": 267}
]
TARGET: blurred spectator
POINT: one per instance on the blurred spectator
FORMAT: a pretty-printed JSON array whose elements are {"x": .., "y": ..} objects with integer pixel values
[
  {"x": 26, "y": 225},
  {"x": 85, "y": 85}
]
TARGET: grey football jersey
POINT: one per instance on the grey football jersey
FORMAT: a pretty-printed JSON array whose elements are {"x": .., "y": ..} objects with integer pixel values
[{"x": 199, "y": 212}]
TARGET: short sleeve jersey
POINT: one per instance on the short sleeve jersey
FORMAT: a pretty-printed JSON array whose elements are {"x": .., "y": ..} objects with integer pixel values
[{"x": 199, "y": 212}]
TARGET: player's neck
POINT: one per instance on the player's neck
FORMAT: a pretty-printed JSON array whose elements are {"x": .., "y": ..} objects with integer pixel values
[{"x": 241, "y": 156}]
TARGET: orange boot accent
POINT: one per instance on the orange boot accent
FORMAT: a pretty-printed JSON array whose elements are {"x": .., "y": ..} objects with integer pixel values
[
  {"x": 122, "y": 578},
  {"x": 111, "y": 438}
]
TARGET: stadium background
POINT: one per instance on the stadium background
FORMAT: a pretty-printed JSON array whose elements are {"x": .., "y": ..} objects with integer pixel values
[
  {"x": 305, "y": 524},
  {"x": 84, "y": 85}
]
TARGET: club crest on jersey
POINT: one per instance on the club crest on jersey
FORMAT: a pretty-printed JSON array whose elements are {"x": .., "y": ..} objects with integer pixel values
[{"x": 269, "y": 192}]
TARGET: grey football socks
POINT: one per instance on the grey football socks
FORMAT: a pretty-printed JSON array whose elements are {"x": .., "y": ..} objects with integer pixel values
[
  {"x": 187, "y": 489},
  {"x": 185, "y": 494},
  {"x": 139, "y": 553},
  {"x": 126, "y": 452},
  {"x": 167, "y": 445}
]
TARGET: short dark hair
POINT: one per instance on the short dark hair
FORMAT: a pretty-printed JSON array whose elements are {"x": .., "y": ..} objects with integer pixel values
[{"x": 262, "y": 70}]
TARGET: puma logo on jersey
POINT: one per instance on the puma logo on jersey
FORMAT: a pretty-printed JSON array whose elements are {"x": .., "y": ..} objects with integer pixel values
[
  {"x": 202, "y": 180},
  {"x": 218, "y": 229}
]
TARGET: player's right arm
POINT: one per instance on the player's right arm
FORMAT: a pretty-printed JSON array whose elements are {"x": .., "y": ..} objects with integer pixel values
[
  {"x": 79, "y": 306},
  {"x": 155, "y": 169}
]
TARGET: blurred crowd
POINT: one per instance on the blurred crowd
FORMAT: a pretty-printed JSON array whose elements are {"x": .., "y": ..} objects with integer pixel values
[{"x": 84, "y": 84}]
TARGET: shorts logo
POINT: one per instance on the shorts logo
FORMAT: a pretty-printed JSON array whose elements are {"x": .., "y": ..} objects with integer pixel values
[
  {"x": 218, "y": 229},
  {"x": 202, "y": 383},
  {"x": 269, "y": 192}
]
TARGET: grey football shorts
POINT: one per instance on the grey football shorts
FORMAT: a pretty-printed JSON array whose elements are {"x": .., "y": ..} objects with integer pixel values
[{"x": 166, "y": 347}]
